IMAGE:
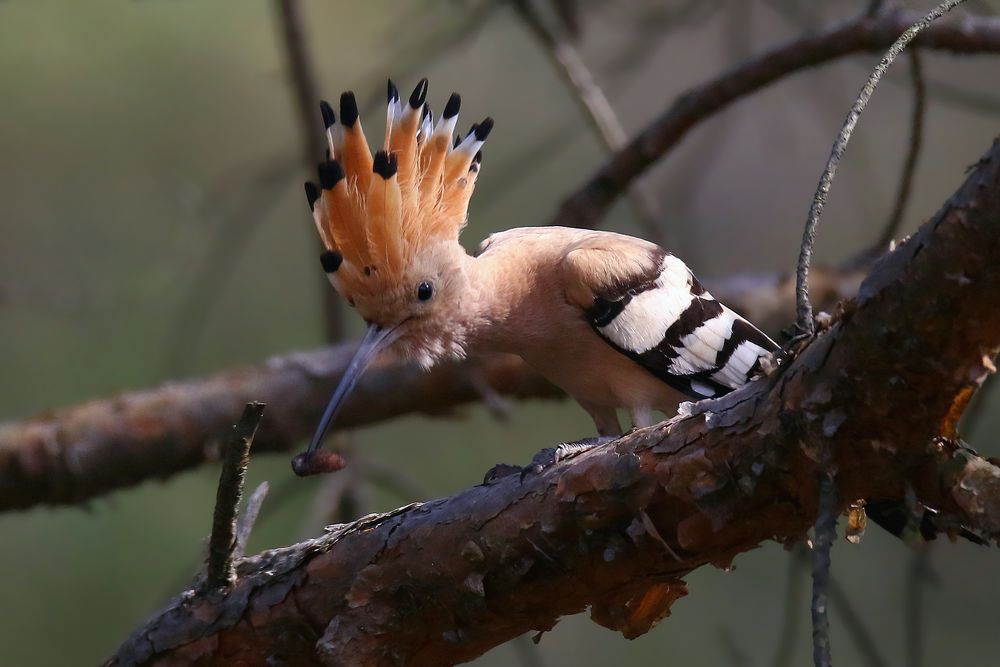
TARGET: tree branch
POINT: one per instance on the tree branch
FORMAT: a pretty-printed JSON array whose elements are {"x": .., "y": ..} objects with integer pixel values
[
  {"x": 70, "y": 455},
  {"x": 586, "y": 206},
  {"x": 615, "y": 529}
]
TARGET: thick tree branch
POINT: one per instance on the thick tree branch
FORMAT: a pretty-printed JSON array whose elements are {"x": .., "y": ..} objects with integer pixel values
[
  {"x": 69, "y": 455},
  {"x": 615, "y": 529}
]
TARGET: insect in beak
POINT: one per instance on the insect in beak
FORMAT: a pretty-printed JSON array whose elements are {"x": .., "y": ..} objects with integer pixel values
[{"x": 376, "y": 339}]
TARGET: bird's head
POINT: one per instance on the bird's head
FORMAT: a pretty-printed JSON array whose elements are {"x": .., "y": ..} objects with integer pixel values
[{"x": 390, "y": 224}]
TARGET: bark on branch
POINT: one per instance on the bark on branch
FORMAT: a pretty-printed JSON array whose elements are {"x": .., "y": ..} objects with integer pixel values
[
  {"x": 70, "y": 455},
  {"x": 616, "y": 529}
]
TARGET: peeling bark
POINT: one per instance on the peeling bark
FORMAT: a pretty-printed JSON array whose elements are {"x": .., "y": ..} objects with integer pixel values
[
  {"x": 616, "y": 529},
  {"x": 70, "y": 455}
]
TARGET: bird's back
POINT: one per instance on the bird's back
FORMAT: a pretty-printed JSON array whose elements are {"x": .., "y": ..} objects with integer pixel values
[{"x": 645, "y": 304}]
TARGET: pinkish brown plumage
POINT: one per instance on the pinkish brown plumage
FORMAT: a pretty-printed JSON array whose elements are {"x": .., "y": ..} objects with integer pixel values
[{"x": 616, "y": 321}]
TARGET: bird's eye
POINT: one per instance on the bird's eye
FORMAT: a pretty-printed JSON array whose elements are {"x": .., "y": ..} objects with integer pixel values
[{"x": 424, "y": 291}]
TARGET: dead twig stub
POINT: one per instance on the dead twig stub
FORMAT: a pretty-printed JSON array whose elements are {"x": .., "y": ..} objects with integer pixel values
[{"x": 221, "y": 571}]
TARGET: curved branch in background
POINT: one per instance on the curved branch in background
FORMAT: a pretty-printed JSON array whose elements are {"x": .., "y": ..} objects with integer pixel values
[
  {"x": 912, "y": 153},
  {"x": 616, "y": 528},
  {"x": 302, "y": 77},
  {"x": 70, "y": 455},
  {"x": 864, "y": 33},
  {"x": 596, "y": 109},
  {"x": 804, "y": 323}
]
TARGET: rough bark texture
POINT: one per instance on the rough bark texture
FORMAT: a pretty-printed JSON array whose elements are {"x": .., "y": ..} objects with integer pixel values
[
  {"x": 615, "y": 530},
  {"x": 69, "y": 455}
]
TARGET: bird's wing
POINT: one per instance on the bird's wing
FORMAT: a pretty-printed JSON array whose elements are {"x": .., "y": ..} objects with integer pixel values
[{"x": 647, "y": 304}]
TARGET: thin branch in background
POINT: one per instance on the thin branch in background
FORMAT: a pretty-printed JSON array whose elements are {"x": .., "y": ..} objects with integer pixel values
[
  {"x": 804, "y": 314},
  {"x": 793, "y": 592},
  {"x": 737, "y": 655},
  {"x": 437, "y": 33},
  {"x": 527, "y": 651},
  {"x": 912, "y": 153},
  {"x": 221, "y": 571},
  {"x": 394, "y": 481},
  {"x": 248, "y": 519},
  {"x": 650, "y": 24},
  {"x": 497, "y": 405},
  {"x": 855, "y": 627},
  {"x": 225, "y": 248},
  {"x": 913, "y": 606},
  {"x": 975, "y": 100},
  {"x": 825, "y": 532},
  {"x": 875, "y": 6},
  {"x": 595, "y": 106},
  {"x": 302, "y": 75}
]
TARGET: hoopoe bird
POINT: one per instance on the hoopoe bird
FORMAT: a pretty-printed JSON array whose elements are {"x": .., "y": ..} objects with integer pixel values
[{"x": 615, "y": 321}]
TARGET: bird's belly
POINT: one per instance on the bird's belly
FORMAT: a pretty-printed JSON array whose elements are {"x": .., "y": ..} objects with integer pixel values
[{"x": 594, "y": 373}]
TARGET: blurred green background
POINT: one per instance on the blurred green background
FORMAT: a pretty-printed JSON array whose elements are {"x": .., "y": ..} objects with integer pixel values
[{"x": 141, "y": 142}]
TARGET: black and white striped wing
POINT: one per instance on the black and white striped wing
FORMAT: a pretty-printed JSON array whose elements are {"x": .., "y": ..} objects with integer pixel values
[{"x": 655, "y": 311}]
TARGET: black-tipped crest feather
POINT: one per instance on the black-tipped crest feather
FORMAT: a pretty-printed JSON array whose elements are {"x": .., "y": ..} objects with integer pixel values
[
  {"x": 348, "y": 109},
  {"x": 419, "y": 94},
  {"x": 483, "y": 129},
  {"x": 329, "y": 118},
  {"x": 384, "y": 164},
  {"x": 331, "y": 260},
  {"x": 452, "y": 107},
  {"x": 312, "y": 194},
  {"x": 330, "y": 173}
]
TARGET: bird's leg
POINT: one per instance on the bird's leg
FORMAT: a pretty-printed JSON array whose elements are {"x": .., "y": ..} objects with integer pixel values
[
  {"x": 608, "y": 428},
  {"x": 550, "y": 456}
]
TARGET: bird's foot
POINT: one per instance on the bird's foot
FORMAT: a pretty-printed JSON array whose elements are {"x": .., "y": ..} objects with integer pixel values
[
  {"x": 546, "y": 458},
  {"x": 550, "y": 456}
]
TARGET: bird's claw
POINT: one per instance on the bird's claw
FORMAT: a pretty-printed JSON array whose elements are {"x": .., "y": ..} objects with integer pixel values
[
  {"x": 544, "y": 459},
  {"x": 550, "y": 456},
  {"x": 499, "y": 471}
]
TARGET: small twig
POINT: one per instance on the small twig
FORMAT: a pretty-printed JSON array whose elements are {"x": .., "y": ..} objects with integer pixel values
[
  {"x": 825, "y": 531},
  {"x": 738, "y": 656},
  {"x": 395, "y": 481},
  {"x": 527, "y": 652},
  {"x": 596, "y": 108},
  {"x": 228, "y": 243},
  {"x": 913, "y": 603},
  {"x": 497, "y": 405},
  {"x": 222, "y": 544},
  {"x": 793, "y": 591},
  {"x": 913, "y": 152},
  {"x": 304, "y": 92},
  {"x": 804, "y": 314},
  {"x": 247, "y": 520},
  {"x": 857, "y": 630}
]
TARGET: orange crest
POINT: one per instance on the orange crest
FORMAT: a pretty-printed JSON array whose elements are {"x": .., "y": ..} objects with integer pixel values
[{"x": 374, "y": 214}]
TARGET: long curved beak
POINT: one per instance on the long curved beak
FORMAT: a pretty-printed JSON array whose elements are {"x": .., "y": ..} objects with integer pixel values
[{"x": 376, "y": 339}]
